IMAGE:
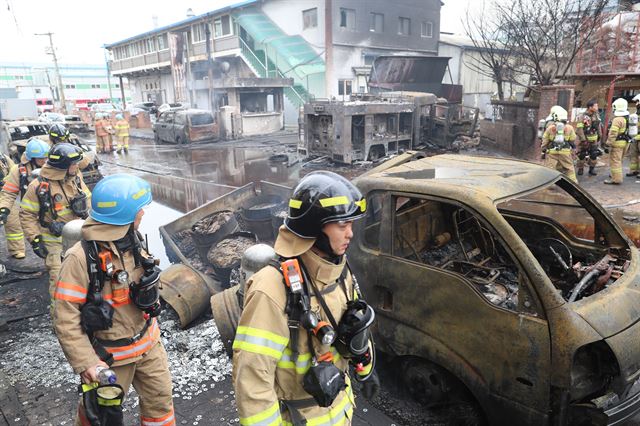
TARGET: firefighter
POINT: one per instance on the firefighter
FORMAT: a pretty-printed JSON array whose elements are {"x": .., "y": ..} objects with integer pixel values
[
  {"x": 122, "y": 134},
  {"x": 634, "y": 145},
  {"x": 304, "y": 320},
  {"x": 558, "y": 143},
  {"x": 15, "y": 185},
  {"x": 589, "y": 135},
  {"x": 108, "y": 317},
  {"x": 56, "y": 197},
  {"x": 58, "y": 133},
  {"x": 617, "y": 140},
  {"x": 102, "y": 135}
]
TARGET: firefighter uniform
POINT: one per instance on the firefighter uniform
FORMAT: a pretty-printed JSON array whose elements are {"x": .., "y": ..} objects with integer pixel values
[
  {"x": 634, "y": 156},
  {"x": 10, "y": 189},
  {"x": 122, "y": 134},
  {"x": 264, "y": 373},
  {"x": 588, "y": 133},
  {"x": 617, "y": 143},
  {"x": 103, "y": 143},
  {"x": 143, "y": 361},
  {"x": 63, "y": 189},
  {"x": 559, "y": 157}
]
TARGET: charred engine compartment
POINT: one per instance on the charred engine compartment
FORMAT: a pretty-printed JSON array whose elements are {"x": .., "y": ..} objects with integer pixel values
[
  {"x": 576, "y": 268},
  {"x": 448, "y": 237}
]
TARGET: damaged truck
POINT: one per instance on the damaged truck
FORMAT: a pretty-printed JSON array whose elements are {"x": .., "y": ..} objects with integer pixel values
[
  {"x": 408, "y": 107},
  {"x": 485, "y": 285}
]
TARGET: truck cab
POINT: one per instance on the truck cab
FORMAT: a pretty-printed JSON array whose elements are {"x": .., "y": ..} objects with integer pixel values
[{"x": 506, "y": 279}]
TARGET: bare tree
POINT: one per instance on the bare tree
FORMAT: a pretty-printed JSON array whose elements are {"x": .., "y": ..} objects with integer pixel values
[
  {"x": 548, "y": 34},
  {"x": 495, "y": 57}
]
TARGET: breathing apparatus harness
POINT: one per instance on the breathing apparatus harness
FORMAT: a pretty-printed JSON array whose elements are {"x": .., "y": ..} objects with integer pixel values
[
  {"x": 590, "y": 149},
  {"x": 558, "y": 143},
  {"x": 324, "y": 380},
  {"x": 78, "y": 203},
  {"x": 97, "y": 314},
  {"x": 624, "y": 136}
]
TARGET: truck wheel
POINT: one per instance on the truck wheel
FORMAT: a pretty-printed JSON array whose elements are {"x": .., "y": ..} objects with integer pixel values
[{"x": 178, "y": 140}]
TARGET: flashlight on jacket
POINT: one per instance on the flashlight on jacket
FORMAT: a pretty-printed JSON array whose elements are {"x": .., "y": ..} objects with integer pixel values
[{"x": 325, "y": 333}]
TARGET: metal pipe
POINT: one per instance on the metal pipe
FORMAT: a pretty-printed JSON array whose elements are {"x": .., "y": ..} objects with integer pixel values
[{"x": 584, "y": 282}]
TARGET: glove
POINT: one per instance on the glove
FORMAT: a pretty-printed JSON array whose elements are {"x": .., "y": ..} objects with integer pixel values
[
  {"x": 39, "y": 248},
  {"x": 56, "y": 228},
  {"x": 371, "y": 386},
  {"x": 4, "y": 214}
]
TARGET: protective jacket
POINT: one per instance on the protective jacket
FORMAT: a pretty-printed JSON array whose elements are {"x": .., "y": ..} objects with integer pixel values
[
  {"x": 71, "y": 293},
  {"x": 5, "y": 166},
  {"x": 617, "y": 137},
  {"x": 264, "y": 372},
  {"x": 62, "y": 189},
  {"x": 122, "y": 128},
  {"x": 15, "y": 183},
  {"x": 549, "y": 136},
  {"x": 588, "y": 134},
  {"x": 101, "y": 127}
]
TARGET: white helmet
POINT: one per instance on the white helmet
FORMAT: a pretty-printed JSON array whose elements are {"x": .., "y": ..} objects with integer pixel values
[
  {"x": 558, "y": 113},
  {"x": 620, "y": 106},
  {"x": 636, "y": 99}
]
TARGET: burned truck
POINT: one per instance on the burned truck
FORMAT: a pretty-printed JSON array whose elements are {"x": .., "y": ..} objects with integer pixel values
[
  {"x": 405, "y": 111},
  {"x": 495, "y": 281}
]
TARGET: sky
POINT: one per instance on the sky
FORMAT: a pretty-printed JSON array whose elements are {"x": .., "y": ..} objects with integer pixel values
[{"x": 80, "y": 27}]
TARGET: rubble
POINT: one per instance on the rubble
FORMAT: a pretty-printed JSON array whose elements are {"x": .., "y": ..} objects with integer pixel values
[
  {"x": 211, "y": 224},
  {"x": 227, "y": 253}
]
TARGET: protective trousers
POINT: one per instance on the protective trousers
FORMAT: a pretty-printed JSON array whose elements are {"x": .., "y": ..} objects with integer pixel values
[
  {"x": 563, "y": 162},
  {"x": 589, "y": 147},
  {"x": 53, "y": 262},
  {"x": 616, "y": 153},
  {"x": 123, "y": 142},
  {"x": 634, "y": 156},
  {"x": 13, "y": 232},
  {"x": 103, "y": 144},
  {"x": 152, "y": 381}
]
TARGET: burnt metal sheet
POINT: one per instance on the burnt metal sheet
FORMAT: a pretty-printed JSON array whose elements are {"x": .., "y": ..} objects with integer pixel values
[{"x": 415, "y": 73}]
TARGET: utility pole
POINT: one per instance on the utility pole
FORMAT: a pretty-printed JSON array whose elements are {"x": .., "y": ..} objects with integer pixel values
[
  {"x": 328, "y": 47},
  {"x": 63, "y": 100},
  {"x": 106, "y": 61}
]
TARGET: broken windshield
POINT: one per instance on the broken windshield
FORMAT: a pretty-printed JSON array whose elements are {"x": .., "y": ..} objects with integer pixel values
[{"x": 575, "y": 243}]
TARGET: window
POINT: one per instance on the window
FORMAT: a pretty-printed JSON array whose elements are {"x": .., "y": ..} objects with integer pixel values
[
  {"x": 200, "y": 32},
  {"x": 117, "y": 86},
  {"x": 373, "y": 218},
  {"x": 310, "y": 18},
  {"x": 151, "y": 45},
  {"x": 426, "y": 30},
  {"x": 38, "y": 91},
  {"x": 344, "y": 87},
  {"x": 404, "y": 26},
  {"x": 377, "y": 23},
  {"x": 162, "y": 42},
  {"x": 222, "y": 26},
  {"x": 348, "y": 19},
  {"x": 445, "y": 236}
]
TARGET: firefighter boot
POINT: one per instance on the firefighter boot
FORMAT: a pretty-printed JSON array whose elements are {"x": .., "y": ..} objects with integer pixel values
[
  {"x": 592, "y": 171},
  {"x": 581, "y": 171},
  {"x": 633, "y": 173}
]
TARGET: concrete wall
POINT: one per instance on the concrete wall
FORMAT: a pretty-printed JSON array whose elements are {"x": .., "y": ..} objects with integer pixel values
[{"x": 262, "y": 123}]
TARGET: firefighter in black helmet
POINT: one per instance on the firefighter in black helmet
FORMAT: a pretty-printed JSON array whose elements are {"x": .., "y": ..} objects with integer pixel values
[
  {"x": 56, "y": 197},
  {"x": 303, "y": 319},
  {"x": 58, "y": 133}
]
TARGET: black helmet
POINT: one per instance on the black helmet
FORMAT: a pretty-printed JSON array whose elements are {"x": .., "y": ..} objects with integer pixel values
[
  {"x": 320, "y": 198},
  {"x": 58, "y": 133},
  {"x": 63, "y": 155}
]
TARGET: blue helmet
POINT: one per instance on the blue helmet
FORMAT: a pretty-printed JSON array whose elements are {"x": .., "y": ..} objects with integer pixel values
[
  {"x": 36, "y": 148},
  {"x": 116, "y": 199}
]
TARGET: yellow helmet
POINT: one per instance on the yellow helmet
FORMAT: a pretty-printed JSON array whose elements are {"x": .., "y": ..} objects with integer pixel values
[
  {"x": 620, "y": 106},
  {"x": 558, "y": 113}
]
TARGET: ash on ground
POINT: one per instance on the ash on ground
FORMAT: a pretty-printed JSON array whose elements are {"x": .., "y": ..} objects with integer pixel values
[{"x": 196, "y": 355}]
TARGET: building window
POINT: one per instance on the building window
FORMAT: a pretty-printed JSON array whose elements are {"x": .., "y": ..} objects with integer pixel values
[
  {"x": 344, "y": 87},
  {"x": 310, "y": 18},
  {"x": 117, "y": 86},
  {"x": 222, "y": 26},
  {"x": 38, "y": 91},
  {"x": 377, "y": 23},
  {"x": 348, "y": 19},
  {"x": 404, "y": 26},
  {"x": 151, "y": 45},
  {"x": 162, "y": 42},
  {"x": 426, "y": 29},
  {"x": 200, "y": 32}
]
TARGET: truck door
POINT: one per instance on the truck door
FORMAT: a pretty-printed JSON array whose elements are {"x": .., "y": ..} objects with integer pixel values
[{"x": 448, "y": 278}]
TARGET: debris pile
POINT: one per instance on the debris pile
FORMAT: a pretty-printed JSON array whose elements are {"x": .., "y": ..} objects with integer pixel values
[
  {"x": 228, "y": 252},
  {"x": 213, "y": 223}
]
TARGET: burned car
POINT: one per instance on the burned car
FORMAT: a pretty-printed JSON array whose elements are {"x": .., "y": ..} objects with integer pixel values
[{"x": 496, "y": 282}]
